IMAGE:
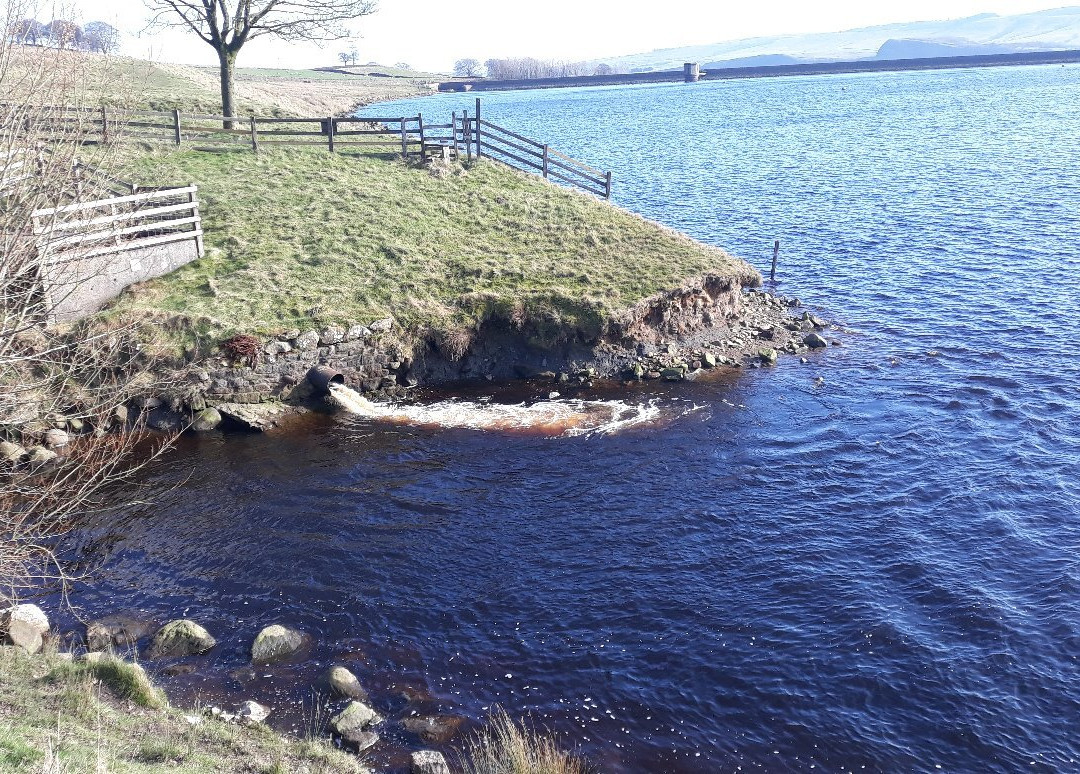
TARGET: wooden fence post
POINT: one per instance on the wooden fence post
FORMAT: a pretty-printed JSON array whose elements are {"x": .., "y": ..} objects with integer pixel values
[
  {"x": 466, "y": 129},
  {"x": 607, "y": 189},
  {"x": 453, "y": 131},
  {"x": 104, "y": 124},
  {"x": 404, "y": 141},
  {"x": 254, "y": 136},
  {"x": 546, "y": 156},
  {"x": 775, "y": 258},
  {"x": 479, "y": 149},
  {"x": 330, "y": 132},
  {"x": 176, "y": 126},
  {"x": 423, "y": 150},
  {"x": 198, "y": 225}
]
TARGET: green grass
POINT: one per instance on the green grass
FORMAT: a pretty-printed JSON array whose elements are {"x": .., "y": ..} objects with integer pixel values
[
  {"x": 303, "y": 237},
  {"x": 60, "y": 716}
]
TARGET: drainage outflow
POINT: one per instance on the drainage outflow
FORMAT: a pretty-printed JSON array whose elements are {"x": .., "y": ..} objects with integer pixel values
[{"x": 321, "y": 377}]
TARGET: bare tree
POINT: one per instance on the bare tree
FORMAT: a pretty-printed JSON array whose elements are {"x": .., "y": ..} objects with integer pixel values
[
  {"x": 343, "y": 57},
  {"x": 467, "y": 68},
  {"x": 227, "y": 25},
  {"x": 64, "y": 437},
  {"x": 604, "y": 69},
  {"x": 100, "y": 37},
  {"x": 354, "y": 56}
]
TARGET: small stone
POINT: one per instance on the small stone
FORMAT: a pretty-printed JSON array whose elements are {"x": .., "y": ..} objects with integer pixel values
[
  {"x": 193, "y": 720},
  {"x": 768, "y": 356},
  {"x": 428, "y": 762},
  {"x": 344, "y": 683},
  {"x": 76, "y": 425},
  {"x": 54, "y": 439},
  {"x": 180, "y": 638},
  {"x": 815, "y": 341},
  {"x": 275, "y": 643},
  {"x": 120, "y": 414},
  {"x": 708, "y": 359},
  {"x": 24, "y": 626},
  {"x": 672, "y": 374},
  {"x": 307, "y": 340},
  {"x": 653, "y": 375},
  {"x": 253, "y": 712}
]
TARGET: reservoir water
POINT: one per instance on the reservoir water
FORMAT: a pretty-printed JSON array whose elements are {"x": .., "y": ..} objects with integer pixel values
[{"x": 877, "y": 571}]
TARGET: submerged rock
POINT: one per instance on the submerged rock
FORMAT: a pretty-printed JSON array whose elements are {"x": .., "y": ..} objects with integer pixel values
[
  {"x": 275, "y": 643},
  {"x": 180, "y": 638},
  {"x": 344, "y": 683},
  {"x": 434, "y": 729},
  {"x": 428, "y": 762},
  {"x": 24, "y": 626},
  {"x": 115, "y": 630},
  {"x": 768, "y": 356}
]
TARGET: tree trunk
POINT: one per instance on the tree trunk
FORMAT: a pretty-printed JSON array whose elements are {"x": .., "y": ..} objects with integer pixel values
[{"x": 228, "y": 67}]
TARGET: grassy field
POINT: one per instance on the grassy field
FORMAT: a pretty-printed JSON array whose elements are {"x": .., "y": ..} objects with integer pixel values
[
  {"x": 124, "y": 81},
  {"x": 303, "y": 237},
  {"x": 59, "y": 716}
]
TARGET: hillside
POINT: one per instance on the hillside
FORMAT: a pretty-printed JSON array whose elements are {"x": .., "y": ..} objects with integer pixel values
[
  {"x": 162, "y": 86},
  {"x": 1042, "y": 30}
]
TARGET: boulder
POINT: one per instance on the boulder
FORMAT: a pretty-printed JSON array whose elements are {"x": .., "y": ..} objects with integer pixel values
[
  {"x": 672, "y": 374},
  {"x": 334, "y": 334},
  {"x": 307, "y": 340},
  {"x": 275, "y": 643},
  {"x": 384, "y": 325},
  {"x": 206, "y": 420},
  {"x": 39, "y": 455},
  {"x": 253, "y": 712},
  {"x": 428, "y": 762},
  {"x": 180, "y": 638},
  {"x": 815, "y": 341},
  {"x": 344, "y": 683},
  {"x": 24, "y": 626},
  {"x": 708, "y": 359},
  {"x": 118, "y": 631},
  {"x": 353, "y": 722},
  {"x": 256, "y": 417},
  {"x": 768, "y": 356},
  {"x": 11, "y": 452},
  {"x": 357, "y": 332},
  {"x": 434, "y": 729}
]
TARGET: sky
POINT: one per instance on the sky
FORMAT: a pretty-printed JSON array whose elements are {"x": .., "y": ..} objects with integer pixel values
[{"x": 422, "y": 34}]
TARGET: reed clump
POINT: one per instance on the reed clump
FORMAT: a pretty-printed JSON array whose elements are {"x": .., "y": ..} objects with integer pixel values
[{"x": 506, "y": 747}]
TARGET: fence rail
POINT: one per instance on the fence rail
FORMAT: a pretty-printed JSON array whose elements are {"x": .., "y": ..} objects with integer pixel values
[
  {"x": 121, "y": 223},
  {"x": 406, "y": 135}
]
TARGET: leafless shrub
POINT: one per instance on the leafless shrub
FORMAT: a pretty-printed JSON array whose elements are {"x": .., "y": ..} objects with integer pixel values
[
  {"x": 73, "y": 378},
  {"x": 243, "y": 349}
]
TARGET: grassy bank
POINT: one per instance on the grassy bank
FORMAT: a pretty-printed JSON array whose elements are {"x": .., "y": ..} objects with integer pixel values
[
  {"x": 56, "y": 715},
  {"x": 302, "y": 236}
]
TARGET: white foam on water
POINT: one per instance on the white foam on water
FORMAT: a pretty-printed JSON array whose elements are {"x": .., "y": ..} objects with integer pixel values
[{"x": 570, "y": 417}]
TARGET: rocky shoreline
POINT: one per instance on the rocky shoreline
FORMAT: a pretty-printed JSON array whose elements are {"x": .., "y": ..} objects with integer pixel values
[
  {"x": 673, "y": 338},
  {"x": 176, "y": 647}
]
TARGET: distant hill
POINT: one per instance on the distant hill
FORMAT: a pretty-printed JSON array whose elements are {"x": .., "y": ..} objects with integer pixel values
[{"x": 986, "y": 33}]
